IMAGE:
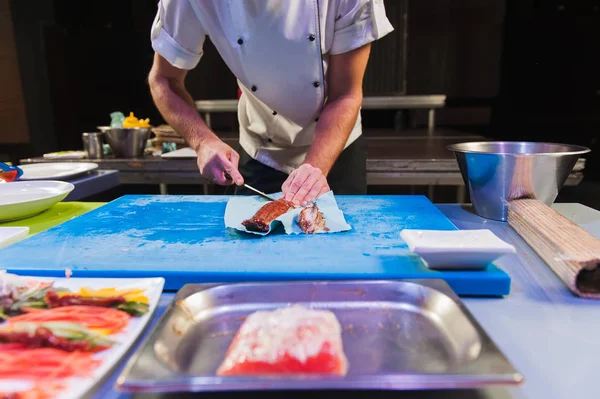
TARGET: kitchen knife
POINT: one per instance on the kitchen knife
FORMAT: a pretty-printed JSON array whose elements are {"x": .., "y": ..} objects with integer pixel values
[{"x": 228, "y": 176}]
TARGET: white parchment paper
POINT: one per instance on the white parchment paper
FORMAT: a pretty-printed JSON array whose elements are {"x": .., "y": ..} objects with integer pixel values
[{"x": 240, "y": 208}]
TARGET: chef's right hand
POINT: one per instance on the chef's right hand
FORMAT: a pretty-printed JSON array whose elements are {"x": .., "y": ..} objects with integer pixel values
[{"x": 215, "y": 158}]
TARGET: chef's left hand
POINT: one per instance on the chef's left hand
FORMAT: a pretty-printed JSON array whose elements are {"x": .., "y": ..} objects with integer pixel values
[{"x": 304, "y": 185}]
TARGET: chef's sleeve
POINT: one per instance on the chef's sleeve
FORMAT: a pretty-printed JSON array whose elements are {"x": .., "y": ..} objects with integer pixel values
[
  {"x": 177, "y": 34},
  {"x": 359, "y": 22}
]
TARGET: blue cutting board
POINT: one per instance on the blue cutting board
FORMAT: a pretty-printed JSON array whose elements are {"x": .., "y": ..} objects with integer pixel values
[{"x": 184, "y": 240}]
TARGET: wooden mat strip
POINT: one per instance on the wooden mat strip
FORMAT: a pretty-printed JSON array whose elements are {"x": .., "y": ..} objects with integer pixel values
[{"x": 571, "y": 252}]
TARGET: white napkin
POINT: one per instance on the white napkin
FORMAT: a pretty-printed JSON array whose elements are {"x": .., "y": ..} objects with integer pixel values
[{"x": 240, "y": 208}]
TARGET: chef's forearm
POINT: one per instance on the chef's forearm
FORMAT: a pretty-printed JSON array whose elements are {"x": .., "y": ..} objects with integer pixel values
[
  {"x": 332, "y": 131},
  {"x": 177, "y": 108}
]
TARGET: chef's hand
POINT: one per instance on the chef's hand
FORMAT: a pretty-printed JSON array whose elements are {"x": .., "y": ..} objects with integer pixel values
[
  {"x": 215, "y": 158},
  {"x": 304, "y": 185}
]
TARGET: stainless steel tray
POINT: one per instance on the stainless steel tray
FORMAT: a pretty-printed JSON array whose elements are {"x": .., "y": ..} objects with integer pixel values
[{"x": 410, "y": 334}]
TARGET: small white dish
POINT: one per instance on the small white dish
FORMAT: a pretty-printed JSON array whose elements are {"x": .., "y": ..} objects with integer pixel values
[
  {"x": 55, "y": 170},
  {"x": 10, "y": 235},
  {"x": 22, "y": 199},
  {"x": 456, "y": 249}
]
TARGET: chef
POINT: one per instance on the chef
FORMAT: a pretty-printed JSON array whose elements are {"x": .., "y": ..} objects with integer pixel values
[{"x": 299, "y": 65}]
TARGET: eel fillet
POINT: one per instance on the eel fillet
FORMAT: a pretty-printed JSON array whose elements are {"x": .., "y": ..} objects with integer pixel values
[
  {"x": 311, "y": 220},
  {"x": 261, "y": 221}
]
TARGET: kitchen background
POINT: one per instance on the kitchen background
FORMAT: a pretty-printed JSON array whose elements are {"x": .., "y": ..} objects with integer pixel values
[{"x": 511, "y": 69}]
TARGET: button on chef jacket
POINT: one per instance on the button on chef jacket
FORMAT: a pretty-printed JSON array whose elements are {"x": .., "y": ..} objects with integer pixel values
[{"x": 279, "y": 51}]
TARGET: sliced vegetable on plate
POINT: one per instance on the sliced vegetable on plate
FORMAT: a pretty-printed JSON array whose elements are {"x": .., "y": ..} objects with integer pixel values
[
  {"x": 39, "y": 390},
  {"x": 18, "y": 293},
  {"x": 60, "y": 337},
  {"x": 129, "y": 301},
  {"x": 66, "y": 336},
  {"x": 20, "y": 362},
  {"x": 104, "y": 320}
]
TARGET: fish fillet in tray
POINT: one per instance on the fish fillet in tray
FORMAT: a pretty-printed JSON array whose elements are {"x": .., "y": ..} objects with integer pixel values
[{"x": 411, "y": 334}]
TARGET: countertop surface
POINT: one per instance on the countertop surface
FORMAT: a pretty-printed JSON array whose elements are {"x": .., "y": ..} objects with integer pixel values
[{"x": 549, "y": 335}]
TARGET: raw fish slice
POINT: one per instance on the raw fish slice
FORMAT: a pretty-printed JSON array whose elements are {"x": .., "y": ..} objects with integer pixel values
[{"x": 293, "y": 341}]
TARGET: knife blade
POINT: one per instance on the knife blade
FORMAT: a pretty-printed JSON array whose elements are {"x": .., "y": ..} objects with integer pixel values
[{"x": 249, "y": 187}]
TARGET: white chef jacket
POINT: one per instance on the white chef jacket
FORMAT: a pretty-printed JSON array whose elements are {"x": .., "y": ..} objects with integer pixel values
[{"x": 279, "y": 51}]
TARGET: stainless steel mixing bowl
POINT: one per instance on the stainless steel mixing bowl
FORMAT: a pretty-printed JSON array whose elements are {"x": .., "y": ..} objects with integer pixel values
[
  {"x": 497, "y": 172},
  {"x": 127, "y": 143}
]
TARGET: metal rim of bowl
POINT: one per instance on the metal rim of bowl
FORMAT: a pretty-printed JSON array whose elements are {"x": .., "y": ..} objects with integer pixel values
[
  {"x": 577, "y": 149},
  {"x": 106, "y": 129}
]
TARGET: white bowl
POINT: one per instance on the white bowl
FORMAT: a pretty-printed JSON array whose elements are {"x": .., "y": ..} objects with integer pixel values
[
  {"x": 19, "y": 200},
  {"x": 456, "y": 249}
]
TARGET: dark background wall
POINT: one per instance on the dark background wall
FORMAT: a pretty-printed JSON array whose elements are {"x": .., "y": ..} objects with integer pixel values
[
  {"x": 550, "y": 86},
  {"x": 12, "y": 109},
  {"x": 512, "y": 69}
]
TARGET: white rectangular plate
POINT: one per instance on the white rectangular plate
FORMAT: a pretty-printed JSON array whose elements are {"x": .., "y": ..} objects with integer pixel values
[
  {"x": 77, "y": 387},
  {"x": 55, "y": 171},
  {"x": 456, "y": 249},
  {"x": 10, "y": 235}
]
